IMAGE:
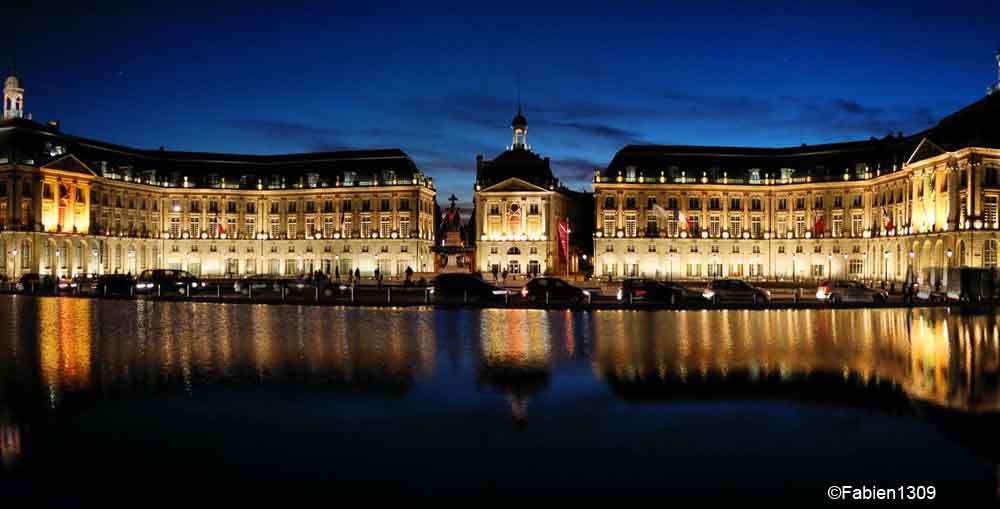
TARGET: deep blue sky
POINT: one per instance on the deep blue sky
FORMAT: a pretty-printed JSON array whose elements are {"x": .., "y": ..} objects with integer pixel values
[{"x": 441, "y": 81}]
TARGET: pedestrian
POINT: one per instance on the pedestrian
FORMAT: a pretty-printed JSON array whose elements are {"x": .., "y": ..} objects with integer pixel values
[
  {"x": 495, "y": 270},
  {"x": 505, "y": 277},
  {"x": 357, "y": 277},
  {"x": 409, "y": 276},
  {"x": 336, "y": 272}
]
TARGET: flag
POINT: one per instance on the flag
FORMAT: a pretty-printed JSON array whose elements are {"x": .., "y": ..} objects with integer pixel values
[
  {"x": 820, "y": 225},
  {"x": 563, "y": 229},
  {"x": 888, "y": 220},
  {"x": 662, "y": 212},
  {"x": 221, "y": 229}
]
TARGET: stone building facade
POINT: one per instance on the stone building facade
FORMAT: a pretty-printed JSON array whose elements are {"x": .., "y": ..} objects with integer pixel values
[{"x": 71, "y": 205}]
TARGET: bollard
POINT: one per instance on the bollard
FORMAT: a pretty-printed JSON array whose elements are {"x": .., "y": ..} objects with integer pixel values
[
  {"x": 506, "y": 298},
  {"x": 427, "y": 296},
  {"x": 546, "y": 298},
  {"x": 352, "y": 294},
  {"x": 250, "y": 291},
  {"x": 589, "y": 297},
  {"x": 630, "y": 297},
  {"x": 105, "y": 288},
  {"x": 317, "y": 292},
  {"x": 283, "y": 293},
  {"x": 131, "y": 291},
  {"x": 388, "y": 295},
  {"x": 189, "y": 290},
  {"x": 218, "y": 291}
]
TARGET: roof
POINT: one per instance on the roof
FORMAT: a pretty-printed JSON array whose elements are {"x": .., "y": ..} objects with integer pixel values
[
  {"x": 974, "y": 125},
  {"x": 36, "y": 144},
  {"x": 518, "y": 163}
]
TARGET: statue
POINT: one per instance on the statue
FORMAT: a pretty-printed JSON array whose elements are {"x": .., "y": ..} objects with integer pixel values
[{"x": 451, "y": 225}]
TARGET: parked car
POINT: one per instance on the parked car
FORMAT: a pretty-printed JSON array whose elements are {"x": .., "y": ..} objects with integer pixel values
[
  {"x": 735, "y": 290},
  {"x": 35, "y": 283},
  {"x": 259, "y": 284},
  {"x": 169, "y": 281},
  {"x": 84, "y": 283},
  {"x": 114, "y": 284},
  {"x": 849, "y": 291},
  {"x": 971, "y": 284},
  {"x": 542, "y": 289},
  {"x": 649, "y": 290},
  {"x": 460, "y": 286}
]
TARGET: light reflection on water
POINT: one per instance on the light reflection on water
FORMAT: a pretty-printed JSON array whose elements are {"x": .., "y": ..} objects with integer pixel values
[{"x": 56, "y": 350}]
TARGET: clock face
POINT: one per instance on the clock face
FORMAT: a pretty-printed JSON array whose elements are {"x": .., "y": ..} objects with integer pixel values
[{"x": 514, "y": 208}]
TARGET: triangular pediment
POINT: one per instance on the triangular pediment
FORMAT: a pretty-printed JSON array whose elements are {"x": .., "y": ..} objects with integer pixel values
[
  {"x": 69, "y": 163},
  {"x": 514, "y": 184},
  {"x": 925, "y": 150}
]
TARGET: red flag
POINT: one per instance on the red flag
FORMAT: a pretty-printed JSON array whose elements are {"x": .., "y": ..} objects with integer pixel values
[
  {"x": 221, "y": 229},
  {"x": 563, "y": 228},
  {"x": 820, "y": 225}
]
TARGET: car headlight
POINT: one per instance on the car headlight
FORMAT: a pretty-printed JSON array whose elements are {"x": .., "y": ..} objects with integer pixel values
[
  {"x": 708, "y": 294},
  {"x": 586, "y": 293},
  {"x": 619, "y": 294},
  {"x": 495, "y": 292}
]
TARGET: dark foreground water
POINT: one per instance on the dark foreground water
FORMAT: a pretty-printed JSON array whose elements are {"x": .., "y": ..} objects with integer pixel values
[{"x": 146, "y": 403}]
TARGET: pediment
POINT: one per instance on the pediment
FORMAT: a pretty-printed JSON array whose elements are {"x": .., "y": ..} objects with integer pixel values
[
  {"x": 69, "y": 163},
  {"x": 925, "y": 150},
  {"x": 514, "y": 184}
]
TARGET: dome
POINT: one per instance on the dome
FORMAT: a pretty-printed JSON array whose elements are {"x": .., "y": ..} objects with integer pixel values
[
  {"x": 12, "y": 81},
  {"x": 519, "y": 121}
]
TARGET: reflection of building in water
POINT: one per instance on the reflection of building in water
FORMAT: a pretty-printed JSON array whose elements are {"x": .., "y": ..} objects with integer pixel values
[
  {"x": 515, "y": 355},
  {"x": 929, "y": 355},
  {"x": 10, "y": 441},
  {"x": 64, "y": 345},
  {"x": 174, "y": 346}
]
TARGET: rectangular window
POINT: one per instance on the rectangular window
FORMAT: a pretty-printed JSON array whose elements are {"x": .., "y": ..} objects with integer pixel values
[
  {"x": 990, "y": 210},
  {"x": 251, "y": 228},
  {"x": 310, "y": 227},
  {"x": 755, "y": 204},
  {"x": 293, "y": 228},
  {"x": 630, "y": 225},
  {"x": 175, "y": 227},
  {"x": 346, "y": 229},
  {"x": 404, "y": 227},
  {"x": 713, "y": 226},
  {"x": 856, "y": 267},
  {"x": 857, "y": 225},
  {"x": 328, "y": 227},
  {"x": 800, "y": 226},
  {"x": 195, "y": 229},
  {"x": 735, "y": 226},
  {"x": 838, "y": 201},
  {"x": 609, "y": 225},
  {"x": 755, "y": 229},
  {"x": 366, "y": 227},
  {"x": 275, "y": 228},
  {"x": 385, "y": 227}
]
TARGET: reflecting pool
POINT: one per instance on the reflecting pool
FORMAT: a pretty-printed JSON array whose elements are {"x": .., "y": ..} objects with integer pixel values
[{"x": 140, "y": 401}]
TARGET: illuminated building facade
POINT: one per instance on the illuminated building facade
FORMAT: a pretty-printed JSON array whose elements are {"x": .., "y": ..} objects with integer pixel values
[
  {"x": 519, "y": 207},
  {"x": 874, "y": 209},
  {"x": 72, "y": 205}
]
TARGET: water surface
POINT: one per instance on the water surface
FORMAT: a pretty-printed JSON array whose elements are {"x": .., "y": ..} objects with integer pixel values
[{"x": 140, "y": 402}]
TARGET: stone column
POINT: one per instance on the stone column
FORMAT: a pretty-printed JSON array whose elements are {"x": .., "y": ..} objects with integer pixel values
[{"x": 953, "y": 197}]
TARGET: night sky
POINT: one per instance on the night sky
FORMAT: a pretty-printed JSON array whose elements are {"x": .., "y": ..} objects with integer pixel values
[{"x": 441, "y": 81}]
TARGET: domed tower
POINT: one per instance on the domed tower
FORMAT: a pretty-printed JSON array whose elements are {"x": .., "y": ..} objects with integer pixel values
[
  {"x": 13, "y": 97},
  {"x": 520, "y": 127}
]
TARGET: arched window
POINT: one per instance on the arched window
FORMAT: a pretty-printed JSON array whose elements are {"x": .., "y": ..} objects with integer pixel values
[
  {"x": 513, "y": 251},
  {"x": 990, "y": 253},
  {"x": 25, "y": 254}
]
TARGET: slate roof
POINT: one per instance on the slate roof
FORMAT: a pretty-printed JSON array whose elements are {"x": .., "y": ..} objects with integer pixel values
[
  {"x": 977, "y": 125},
  {"x": 37, "y": 144}
]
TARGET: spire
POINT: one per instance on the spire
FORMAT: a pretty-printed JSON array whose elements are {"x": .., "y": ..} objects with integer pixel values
[
  {"x": 13, "y": 97},
  {"x": 520, "y": 127}
]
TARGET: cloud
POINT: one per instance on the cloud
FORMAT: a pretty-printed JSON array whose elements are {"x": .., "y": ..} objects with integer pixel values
[
  {"x": 615, "y": 134},
  {"x": 826, "y": 117}
]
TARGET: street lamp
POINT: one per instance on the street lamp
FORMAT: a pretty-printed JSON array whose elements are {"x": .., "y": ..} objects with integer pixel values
[
  {"x": 885, "y": 267},
  {"x": 794, "y": 255},
  {"x": 14, "y": 253},
  {"x": 829, "y": 266}
]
